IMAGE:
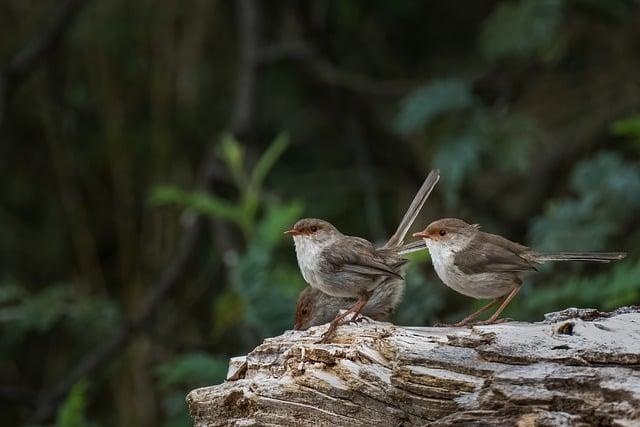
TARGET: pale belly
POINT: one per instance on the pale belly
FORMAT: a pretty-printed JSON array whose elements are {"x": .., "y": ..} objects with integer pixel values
[
  {"x": 338, "y": 284},
  {"x": 479, "y": 286}
]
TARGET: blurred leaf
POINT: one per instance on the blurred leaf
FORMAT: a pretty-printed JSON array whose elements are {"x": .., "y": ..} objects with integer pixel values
[
  {"x": 72, "y": 411},
  {"x": 514, "y": 137},
  {"x": 424, "y": 104},
  {"x": 202, "y": 203},
  {"x": 604, "y": 185},
  {"x": 609, "y": 177},
  {"x": 277, "y": 218},
  {"x": 521, "y": 28},
  {"x": 268, "y": 160},
  {"x": 618, "y": 285},
  {"x": 460, "y": 154},
  {"x": 192, "y": 370},
  {"x": 629, "y": 127},
  {"x": 233, "y": 154},
  {"x": 10, "y": 292},
  {"x": 38, "y": 312}
]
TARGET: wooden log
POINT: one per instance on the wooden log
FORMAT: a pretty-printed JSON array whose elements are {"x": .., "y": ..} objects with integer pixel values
[{"x": 579, "y": 367}]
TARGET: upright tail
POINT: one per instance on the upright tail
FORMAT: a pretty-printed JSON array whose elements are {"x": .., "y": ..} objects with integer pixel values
[
  {"x": 579, "y": 256},
  {"x": 414, "y": 209}
]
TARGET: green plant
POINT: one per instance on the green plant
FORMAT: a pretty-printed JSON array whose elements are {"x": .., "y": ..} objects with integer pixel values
[
  {"x": 72, "y": 412},
  {"x": 604, "y": 186},
  {"x": 243, "y": 211},
  {"x": 521, "y": 29}
]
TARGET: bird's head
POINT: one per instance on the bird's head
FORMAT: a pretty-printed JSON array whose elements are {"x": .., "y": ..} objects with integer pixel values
[
  {"x": 305, "y": 308},
  {"x": 448, "y": 231},
  {"x": 313, "y": 230},
  {"x": 316, "y": 308}
]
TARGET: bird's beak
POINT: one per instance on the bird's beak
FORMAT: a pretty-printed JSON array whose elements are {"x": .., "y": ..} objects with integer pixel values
[
  {"x": 422, "y": 234},
  {"x": 292, "y": 232}
]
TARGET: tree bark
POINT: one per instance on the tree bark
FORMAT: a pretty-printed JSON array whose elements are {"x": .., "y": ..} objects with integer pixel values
[{"x": 578, "y": 367}]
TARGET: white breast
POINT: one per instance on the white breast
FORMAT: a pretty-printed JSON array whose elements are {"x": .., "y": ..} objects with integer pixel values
[
  {"x": 480, "y": 285},
  {"x": 307, "y": 254}
]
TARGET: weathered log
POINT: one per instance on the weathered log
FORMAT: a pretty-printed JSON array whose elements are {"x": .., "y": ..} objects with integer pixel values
[{"x": 578, "y": 367}]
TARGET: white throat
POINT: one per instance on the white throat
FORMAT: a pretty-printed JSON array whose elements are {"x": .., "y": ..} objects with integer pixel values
[
  {"x": 308, "y": 254},
  {"x": 443, "y": 257}
]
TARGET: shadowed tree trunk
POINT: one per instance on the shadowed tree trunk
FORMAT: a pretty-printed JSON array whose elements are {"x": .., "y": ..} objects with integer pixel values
[{"x": 578, "y": 367}]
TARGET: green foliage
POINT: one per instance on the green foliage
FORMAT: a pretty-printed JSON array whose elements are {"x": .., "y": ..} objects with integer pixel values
[
  {"x": 72, "y": 412},
  {"x": 521, "y": 29},
  {"x": 460, "y": 154},
  {"x": 465, "y": 134},
  {"x": 88, "y": 319},
  {"x": 629, "y": 128},
  {"x": 603, "y": 185},
  {"x": 618, "y": 285},
  {"x": 243, "y": 211},
  {"x": 268, "y": 288},
  {"x": 262, "y": 291},
  {"x": 202, "y": 203},
  {"x": 426, "y": 103},
  {"x": 488, "y": 87}
]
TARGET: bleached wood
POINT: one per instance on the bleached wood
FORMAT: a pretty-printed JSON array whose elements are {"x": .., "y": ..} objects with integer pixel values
[{"x": 579, "y": 367}]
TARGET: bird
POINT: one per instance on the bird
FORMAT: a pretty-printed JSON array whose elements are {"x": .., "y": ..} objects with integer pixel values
[
  {"x": 352, "y": 267},
  {"x": 487, "y": 266},
  {"x": 315, "y": 308}
]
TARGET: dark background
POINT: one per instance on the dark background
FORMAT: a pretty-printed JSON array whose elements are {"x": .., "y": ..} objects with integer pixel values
[{"x": 152, "y": 153}]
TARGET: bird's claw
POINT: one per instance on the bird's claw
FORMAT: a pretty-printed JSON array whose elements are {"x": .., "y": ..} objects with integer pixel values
[
  {"x": 328, "y": 334},
  {"x": 359, "y": 319}
]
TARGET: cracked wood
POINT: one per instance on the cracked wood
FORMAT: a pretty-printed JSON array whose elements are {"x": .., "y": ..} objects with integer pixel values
[{"x": 578, "y": 367}]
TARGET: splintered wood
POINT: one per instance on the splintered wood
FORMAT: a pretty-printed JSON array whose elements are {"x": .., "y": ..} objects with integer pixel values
[{"x": 578, "y": 368}]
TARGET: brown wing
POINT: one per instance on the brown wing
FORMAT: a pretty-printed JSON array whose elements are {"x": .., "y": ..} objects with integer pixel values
[
  {"x": 491, "y": 253},
  {"x": 356, "y": 255}
]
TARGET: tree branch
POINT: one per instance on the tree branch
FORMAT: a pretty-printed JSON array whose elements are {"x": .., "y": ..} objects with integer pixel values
[{"x": 578, "y": 367}]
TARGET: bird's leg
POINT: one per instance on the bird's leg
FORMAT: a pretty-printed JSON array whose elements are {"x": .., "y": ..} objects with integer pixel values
[
  {"x": 472, "y": 316},
  {"x": 505, "y": 303},
  {"x": 356, "y": 308}
]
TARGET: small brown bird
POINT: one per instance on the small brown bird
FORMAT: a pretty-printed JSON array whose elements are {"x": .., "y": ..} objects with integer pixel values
[
  {"x": 351, "y": 267},
  {"x": 482, "y": 265},
  {"x": 316, "y": 308}
]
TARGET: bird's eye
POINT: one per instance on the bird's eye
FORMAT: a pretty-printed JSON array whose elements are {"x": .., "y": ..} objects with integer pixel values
[
  {"x": 313, "y": 228},
  {"x": 443, "y": 232},
  {"x": 304, "y": 311}
]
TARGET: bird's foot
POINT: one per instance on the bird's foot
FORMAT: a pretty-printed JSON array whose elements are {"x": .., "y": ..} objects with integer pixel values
[
  {"x": 325, "y": 338},
  {"x": 359, "y": 319}
]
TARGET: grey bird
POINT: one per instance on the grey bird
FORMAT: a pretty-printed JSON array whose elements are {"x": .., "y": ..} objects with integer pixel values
[
  {"x": 351, "y": 267},
  {"x": 316, "y": 308},
  {"x": 482, "y": 265}
]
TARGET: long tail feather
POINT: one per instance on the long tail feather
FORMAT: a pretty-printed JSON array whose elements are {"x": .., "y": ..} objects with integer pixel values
[
  {"x": 579, "y": 256},
  {"x": 414, "y": 209},
  {"x": 416, "y": 246}
]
